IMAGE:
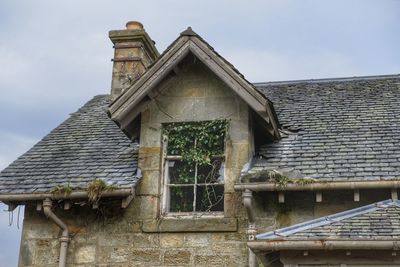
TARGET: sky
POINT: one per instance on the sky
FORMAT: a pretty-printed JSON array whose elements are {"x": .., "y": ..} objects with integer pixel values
[{"x": 56, "y": 55}]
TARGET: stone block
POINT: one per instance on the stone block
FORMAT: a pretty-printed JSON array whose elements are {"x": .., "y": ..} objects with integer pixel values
[
  {"x": 149, "y": 184},
  {"x": 177, "y": 257},
  {"x": 236, "y": 248},
  {"x": 149, "y": 158},
  {"x": 231, "y": 177},
  {"x": 46, "y": 229},
  {"x": 141, "y": 240},
  {"x": 117, "y": 240},
  {"x": 45, "y": 251},
  {"x": 171, "y": 240},
  {"x": 238, "y": 156},
  {"x": 150, "y": 135},
  {"x": 119, "y": 254},
  {"x": 85, "y": 254},
  {"x": 218, "y": 260},
  {"x": 197, "y": 240},
  {"x": 232, "y": 201},
  {"x": 222, "y": 237},
  {"x": 149, "y": 207},
  {"x": 148, "y": 256},
  {"x": 239, "y": 131}
]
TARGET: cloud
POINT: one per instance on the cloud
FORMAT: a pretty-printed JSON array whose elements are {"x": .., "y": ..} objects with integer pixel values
[
  {"x": 264, "y": 66},
  {"x": 13, "y": 146}
]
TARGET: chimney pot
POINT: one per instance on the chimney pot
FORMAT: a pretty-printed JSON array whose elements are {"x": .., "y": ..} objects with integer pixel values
[{"x": 134, "y": 25}]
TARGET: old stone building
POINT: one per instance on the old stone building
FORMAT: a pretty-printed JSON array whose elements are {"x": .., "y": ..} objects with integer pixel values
[{"x": 186, "y": 163}]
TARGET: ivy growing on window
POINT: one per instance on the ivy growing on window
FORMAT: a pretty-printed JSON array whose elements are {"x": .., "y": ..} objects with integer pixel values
[{"x": 196, "y": 179}]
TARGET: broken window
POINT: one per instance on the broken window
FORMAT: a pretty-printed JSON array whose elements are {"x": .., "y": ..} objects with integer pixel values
[{"x": 194, "y": 167}]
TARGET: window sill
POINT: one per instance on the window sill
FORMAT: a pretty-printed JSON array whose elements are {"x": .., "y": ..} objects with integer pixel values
[{"x": 185, "y": 224}]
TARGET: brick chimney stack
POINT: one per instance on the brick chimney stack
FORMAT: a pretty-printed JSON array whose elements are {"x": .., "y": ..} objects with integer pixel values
[{"x": 134, "y": 53}]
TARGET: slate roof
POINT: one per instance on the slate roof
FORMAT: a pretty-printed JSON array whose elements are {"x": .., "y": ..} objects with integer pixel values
[
  {"x": 378, "y": 221},
  {"x": 337, "y": 129},
  {"x": 86, "y": 146}
]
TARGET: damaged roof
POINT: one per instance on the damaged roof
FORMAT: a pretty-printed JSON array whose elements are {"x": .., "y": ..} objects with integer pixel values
[
  {"x": 87, "y": 146},
  {"x": 335, "y": 129},
  {"x": 378, "y": 221}
]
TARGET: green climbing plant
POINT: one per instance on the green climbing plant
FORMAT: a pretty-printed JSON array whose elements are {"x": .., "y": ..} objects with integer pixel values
[{"x": 200, "y": 145}]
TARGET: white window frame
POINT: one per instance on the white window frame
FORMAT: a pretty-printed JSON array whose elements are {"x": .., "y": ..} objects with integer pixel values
[{"x": 165, "y": 205}]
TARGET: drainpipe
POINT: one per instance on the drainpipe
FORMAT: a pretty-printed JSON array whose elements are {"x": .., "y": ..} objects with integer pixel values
[
  {"x": 65, "y": 234},
  {"x": 247, "y": 197}
]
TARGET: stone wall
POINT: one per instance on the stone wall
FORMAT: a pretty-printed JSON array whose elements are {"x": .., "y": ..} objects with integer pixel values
[{"x": 139, "y": 235}]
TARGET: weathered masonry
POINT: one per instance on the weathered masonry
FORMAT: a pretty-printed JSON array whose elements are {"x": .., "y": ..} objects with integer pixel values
[{"x": 186, "y": 163}]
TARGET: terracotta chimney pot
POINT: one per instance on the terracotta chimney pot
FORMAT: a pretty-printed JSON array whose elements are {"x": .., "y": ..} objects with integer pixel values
[{"x": 134, "y": 25}]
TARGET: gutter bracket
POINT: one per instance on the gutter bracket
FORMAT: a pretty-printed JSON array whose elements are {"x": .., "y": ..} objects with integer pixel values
[{"x": 127, "y": 200}]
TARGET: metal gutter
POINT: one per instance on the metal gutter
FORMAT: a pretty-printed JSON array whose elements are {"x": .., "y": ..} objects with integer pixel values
[
  {"x": 277, "y": 245},
  {"x": 316, "y": 186},
  {"x": 123, "y": 192}
]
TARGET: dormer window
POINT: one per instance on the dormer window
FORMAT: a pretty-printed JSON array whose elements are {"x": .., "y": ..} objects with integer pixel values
[{"x": 194, "y": 167}]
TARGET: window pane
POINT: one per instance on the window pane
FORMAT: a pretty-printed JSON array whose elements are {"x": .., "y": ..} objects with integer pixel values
[
  {"x": 211, "y": 174},
  {"x": 210, "y": 198},
  {"x": 181, "y": 199},
  {"x": 181, "y": 172}
]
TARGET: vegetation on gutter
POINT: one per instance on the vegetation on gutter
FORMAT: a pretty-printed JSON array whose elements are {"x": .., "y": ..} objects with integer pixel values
[
  {"x": 94, "y": 189},
  {"x": 62, "y": 190},
  {"x": 276, "y": 177}
]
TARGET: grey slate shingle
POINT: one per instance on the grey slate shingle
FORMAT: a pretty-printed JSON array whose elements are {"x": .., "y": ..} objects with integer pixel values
[
  {"x": 344, "y": 129},
  {"x": 86, "y": 146},
  {"x": 378, "y": 221}
]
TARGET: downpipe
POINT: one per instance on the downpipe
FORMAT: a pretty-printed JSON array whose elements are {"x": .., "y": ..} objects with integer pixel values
[
  {"x": 247, "y": 198},
  {"x": 64, "y": 240}
]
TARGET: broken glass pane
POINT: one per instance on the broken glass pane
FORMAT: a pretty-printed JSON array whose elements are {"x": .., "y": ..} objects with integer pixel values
[
  {"x": 210, "y": 174},
  {"x": 210, "y": 198}
]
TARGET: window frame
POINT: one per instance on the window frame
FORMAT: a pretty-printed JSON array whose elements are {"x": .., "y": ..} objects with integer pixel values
[{"x": 166, "y": 185}]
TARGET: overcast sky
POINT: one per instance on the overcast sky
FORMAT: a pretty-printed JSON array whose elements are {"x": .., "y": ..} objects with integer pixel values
[{"x": 55, "y": 55}]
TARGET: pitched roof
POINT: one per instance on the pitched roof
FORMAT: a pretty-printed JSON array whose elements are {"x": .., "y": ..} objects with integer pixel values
[
  {"x": 378, "y": 221},
  {"x": 336, "y": 129},
  {"x": 136, "y": 98},
  {"x": 86, "y": 146}
]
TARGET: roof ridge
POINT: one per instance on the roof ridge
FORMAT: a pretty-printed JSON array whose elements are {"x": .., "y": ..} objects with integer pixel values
[
  {"x": 322, "y": 80},
  {"x": 284, "y": 232}
]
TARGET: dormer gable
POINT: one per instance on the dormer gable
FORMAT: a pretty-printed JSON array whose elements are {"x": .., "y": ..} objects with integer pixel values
[{"x": 126, "y": 109}]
